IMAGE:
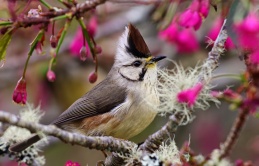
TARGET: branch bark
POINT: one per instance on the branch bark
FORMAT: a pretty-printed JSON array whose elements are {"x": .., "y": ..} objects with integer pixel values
[{"x": 100, "y": 143}]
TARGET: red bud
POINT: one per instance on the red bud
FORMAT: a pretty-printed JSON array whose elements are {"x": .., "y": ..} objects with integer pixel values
[
  {"x": 20, "y": 94},
  {"x": 92, "y": 77},
  {"x": 98, "y": 49},
  {"x": 51, "y": 76},
  {"x": 83, "y": 53},
  {"x": 53, "y": 41}
]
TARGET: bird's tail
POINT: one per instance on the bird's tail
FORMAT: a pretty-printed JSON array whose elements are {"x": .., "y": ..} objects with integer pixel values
[{"x": 20, "y": 146}]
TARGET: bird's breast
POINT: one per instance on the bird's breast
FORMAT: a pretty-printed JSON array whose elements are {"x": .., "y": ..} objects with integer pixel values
[{"x": 126, "y": 120}]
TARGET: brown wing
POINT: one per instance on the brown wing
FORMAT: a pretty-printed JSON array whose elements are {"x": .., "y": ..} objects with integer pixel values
[{"x": 101, "y": 99}]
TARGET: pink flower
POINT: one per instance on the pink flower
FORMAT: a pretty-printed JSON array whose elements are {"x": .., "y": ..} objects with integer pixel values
[
  {"x": 92, "y": 26},
  {"x": 170, "y": 33},
  {"x": 51, "y": 76},
  {"x": 92, "y": 77},
  {"x": 193, "y": 16},
  {"x": 248, "y": 32},
  {"x": 214, "y": 31},
  {"x": 190, "y": 95},
  {"x": 204, "y": 8},
  {"x": 184, "y": 39},
  {"x": 190, "y": 18},
  {"x": 254, "y": 57},
  {"x": 78, "y": 41},
  {"x": 20, "y": 94},
  {"x": 71, "y": 163}
]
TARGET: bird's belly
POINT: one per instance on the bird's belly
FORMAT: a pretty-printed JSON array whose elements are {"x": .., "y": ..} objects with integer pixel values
[
  {"x": 133, "y": 123},
  {"x": 125, "y": 125}
]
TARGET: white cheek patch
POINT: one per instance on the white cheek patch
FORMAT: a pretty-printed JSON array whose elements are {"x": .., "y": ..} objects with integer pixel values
[{"x": 131, "y": 73}]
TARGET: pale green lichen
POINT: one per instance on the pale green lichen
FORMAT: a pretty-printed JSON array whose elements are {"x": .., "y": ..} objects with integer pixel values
[
  {"x": 215, "y": 160},
  {"x": 173, "y": 81},
  {"x": 15, "y": 134},
  {"x": 168, "y": 152}
]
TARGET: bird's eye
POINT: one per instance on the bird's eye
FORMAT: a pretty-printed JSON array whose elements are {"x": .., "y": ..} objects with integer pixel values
[{"x": 136, "y": 63}]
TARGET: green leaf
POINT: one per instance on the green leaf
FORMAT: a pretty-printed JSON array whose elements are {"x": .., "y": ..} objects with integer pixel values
[{"x": 4, "y": 42}]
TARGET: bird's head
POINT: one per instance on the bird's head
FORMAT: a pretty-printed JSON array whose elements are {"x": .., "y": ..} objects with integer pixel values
[{"x": 133, "y": 60}]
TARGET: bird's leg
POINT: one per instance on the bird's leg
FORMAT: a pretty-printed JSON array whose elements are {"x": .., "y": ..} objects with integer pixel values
[{"x": 104, "y": 153}]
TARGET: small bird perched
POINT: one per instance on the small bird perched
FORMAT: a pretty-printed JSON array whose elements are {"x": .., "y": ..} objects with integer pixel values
[{"x": 119, "y": 106}]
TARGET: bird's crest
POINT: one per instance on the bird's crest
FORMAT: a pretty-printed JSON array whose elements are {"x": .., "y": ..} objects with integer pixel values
[{"x": 136, "y": 44}]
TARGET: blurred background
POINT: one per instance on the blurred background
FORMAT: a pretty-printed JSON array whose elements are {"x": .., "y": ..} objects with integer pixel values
[{"x": 205, "y": 133}]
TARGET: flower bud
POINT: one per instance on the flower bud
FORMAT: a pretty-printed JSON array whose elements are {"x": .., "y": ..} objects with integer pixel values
[
  {"x": 53, "y": 41},
  {"x": 92, "y": 77},
  {"x": 98, "y": 49},
  {"x": 83, "y": 53},
  {"x": 38, "y": 48},
  {"x": 51, "y": 76},
  {"x": 20, "y": 94}
]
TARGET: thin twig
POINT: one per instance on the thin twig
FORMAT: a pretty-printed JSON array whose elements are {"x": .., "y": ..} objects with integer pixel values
[
  {"x": 218, "y": 49},
  {"x": 100, "y": 143},
  {"x": 234, "y": 133}
]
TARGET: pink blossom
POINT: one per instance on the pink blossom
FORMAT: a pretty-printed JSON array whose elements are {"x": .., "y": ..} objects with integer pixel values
[
  {"x": 184, "y": 39},
  {"x": 71, "y": 163},
  {"x": 190, "y": 18},
  {"x": 51, "y": 76},
  {"x": 77, "y": 43},
  {"x": 193, "y": 16},
  {"x": 254, "y": 57},
  {"x": 190, "y": 95},
  {"x": 92, "y": 26},
  {"x": 170, "y": 33},
  {"x": 92, "y": 77},
  {"x": 20, "y": 94},
  {"x": 214, "y": 31},
  {"x": 248, "y": 32},
  {"x": 204, "y": 8}
]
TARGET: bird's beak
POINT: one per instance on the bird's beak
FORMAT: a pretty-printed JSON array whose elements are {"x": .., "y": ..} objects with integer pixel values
[
  {"x": 157, "y": 58},
  {"x": 151, "y": 61}
]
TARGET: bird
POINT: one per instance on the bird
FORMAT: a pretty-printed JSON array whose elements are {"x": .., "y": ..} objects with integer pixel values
[{"x": 123, "y": 104}]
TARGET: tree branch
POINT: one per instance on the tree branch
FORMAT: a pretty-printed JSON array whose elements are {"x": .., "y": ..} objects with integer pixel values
[
  {"x": 234, "y": 133},
  {"x": 100, "y": 143},
  {"x": 153, "y": 142}
]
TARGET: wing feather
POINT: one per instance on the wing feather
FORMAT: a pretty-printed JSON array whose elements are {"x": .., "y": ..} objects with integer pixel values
[{"x": 101, "y": 99}]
